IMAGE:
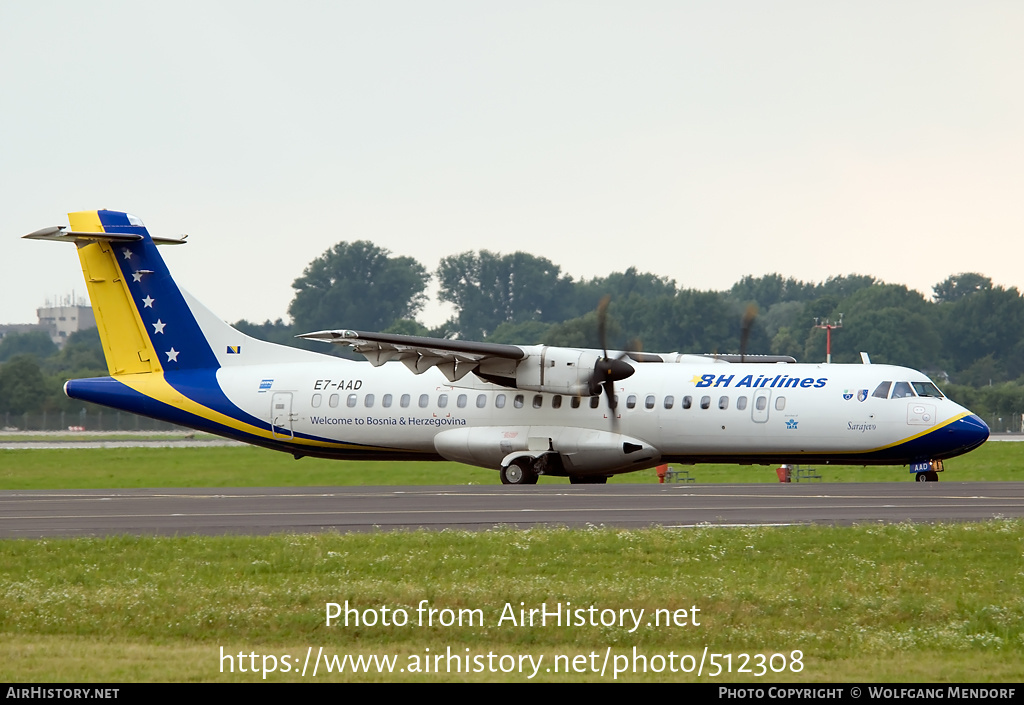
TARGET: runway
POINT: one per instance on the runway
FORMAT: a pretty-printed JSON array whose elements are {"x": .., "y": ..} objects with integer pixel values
[{"x": 52, "y": 513}]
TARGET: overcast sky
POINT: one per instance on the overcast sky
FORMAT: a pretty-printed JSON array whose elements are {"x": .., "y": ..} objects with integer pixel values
[{"x": 697, "y": 140}]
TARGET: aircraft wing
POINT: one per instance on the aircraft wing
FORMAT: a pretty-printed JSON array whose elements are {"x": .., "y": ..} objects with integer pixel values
[
  {"x": 511, "y": 365},
  {"x": 454, "y": 358}
]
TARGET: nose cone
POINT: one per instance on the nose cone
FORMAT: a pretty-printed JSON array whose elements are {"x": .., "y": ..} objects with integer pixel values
[{"x": 966, "y": 434}]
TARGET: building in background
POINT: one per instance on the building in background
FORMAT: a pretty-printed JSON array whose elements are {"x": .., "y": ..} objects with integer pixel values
[{"x": 58, "y": 318}]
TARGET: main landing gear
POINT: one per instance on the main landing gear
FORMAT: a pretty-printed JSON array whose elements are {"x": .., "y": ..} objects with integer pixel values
[
  {"x": 525, "y": 470},
  {"x": 518, "y": 472}
]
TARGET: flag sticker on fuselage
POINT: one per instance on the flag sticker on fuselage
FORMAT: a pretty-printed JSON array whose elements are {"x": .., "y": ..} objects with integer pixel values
[
  {"x": 265, "y": 385},
  {"x": 234, "y": 350}
]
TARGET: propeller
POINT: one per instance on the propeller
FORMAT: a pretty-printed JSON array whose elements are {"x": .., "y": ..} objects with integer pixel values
[
  {"x": 748, "y": 322},
  {"x": 608, "y": 370}
]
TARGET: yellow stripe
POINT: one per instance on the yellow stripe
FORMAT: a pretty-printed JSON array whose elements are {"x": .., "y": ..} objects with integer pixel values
[
  {"x": 917, "y": 435},
  {"x": 890, "y": 445},
  {"x": 125, "y": 343},
  {"x": 156, "y": 387}
]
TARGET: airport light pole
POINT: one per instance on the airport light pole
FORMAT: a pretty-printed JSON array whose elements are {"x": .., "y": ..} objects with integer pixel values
[{"x": 829, "y": 326}]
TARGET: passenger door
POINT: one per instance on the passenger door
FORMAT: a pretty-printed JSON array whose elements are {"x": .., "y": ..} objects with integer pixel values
[
  {"x": 760, "y": 407},
  {"x": 281, "y": 415}
]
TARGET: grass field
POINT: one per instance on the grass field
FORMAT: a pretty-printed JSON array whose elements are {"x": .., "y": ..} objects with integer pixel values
[
  {"x": 901, "y": 602},
  {"x": 882, "y": 603},
  {"x": 256, "y": 467}
]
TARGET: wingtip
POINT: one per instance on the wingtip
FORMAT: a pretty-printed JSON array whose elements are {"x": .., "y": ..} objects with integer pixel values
[
  {"x": 45, "y": 233},
  {"x": 329, "y": 336}
]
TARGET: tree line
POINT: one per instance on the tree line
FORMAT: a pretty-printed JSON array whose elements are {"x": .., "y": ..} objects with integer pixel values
[
  {"x": 969, "y": 330},
  {"x": 969, "y": 334}
]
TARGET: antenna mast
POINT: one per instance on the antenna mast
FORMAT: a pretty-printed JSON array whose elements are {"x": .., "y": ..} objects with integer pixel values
[{"x": 829, "y": 326}]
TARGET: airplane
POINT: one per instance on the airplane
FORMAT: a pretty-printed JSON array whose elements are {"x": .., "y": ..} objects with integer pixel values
[{"x": 525, "y": 411}]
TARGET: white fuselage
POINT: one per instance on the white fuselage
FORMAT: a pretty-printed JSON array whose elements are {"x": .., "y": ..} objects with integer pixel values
[{"x": 685, "y": 412}]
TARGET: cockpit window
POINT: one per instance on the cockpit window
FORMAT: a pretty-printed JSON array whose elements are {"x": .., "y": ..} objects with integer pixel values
[
  {"x": 926, "y": 389},
  {"x": 882, "y": 390},
  {"x": 901, "y": 390}
]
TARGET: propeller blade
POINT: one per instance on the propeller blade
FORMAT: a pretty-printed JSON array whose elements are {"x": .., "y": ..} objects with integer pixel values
[
  {"x": 748, "y": 322},
  {"x": 602, "y": 322},
  {"x": 608, "y": 371},
  {"x": 635, "y": 345},
  {"x": 609, "y": 391}
]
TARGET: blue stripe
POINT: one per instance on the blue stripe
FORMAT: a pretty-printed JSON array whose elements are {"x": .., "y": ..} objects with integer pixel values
[
  {"x": 172, "y": 329},
  {"x": 117, "y": 395}
]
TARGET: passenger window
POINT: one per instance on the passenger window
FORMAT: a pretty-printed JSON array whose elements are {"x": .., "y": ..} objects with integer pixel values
[
  {"x": 723, "y": 402},
  {"x": 442, "y": 401},
  {"x": 649, "y": 402},
  {"x": 351, "y": 401},
  {"x": 780, "y": 403},
  {"x": 538, "y": 401},
  {"x": 316, "y": 401},
  {"x": 556, "y": 401},
  {"x": 669, "y": 401},
  {"x": 368, "y": 401},
  {"x": 705, "y": 402},
  {"x": 481, "y": 401},
  {"x": 405, "y": 401},
  {"x": 595, "y": 402},
  {"x": 575, "y": 403},
  {"x": 518, "y": 401},
  {"x": 687, "y": 402},
  {"x": 386, "y": 401},
  {"x": 882, "y": 390},
  {"x": 902, "y": 390},
  {"x": 461, "y": 401},
  {"x": 741, "y": 403},
  {"x": 761, "y": 403},
  {"x": 499, "y": 401},
  {"x": 631, "y": 401},
  {"x": 424, "y": 400},
  {"x": 615, "y": 401}
]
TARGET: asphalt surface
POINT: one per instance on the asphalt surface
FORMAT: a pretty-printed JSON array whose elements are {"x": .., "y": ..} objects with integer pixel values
[{"x": 42, "y": 513}]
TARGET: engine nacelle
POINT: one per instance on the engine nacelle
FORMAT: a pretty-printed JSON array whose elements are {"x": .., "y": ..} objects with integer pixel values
[{"x": 557, "y": 370}]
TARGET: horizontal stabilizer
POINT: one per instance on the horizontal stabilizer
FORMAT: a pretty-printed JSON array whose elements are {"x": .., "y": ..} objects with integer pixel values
[{"x": 61, "y": 234}]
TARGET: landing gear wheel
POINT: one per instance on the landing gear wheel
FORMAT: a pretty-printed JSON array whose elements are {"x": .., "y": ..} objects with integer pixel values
[
  {"x": 928, "y": 476},
  {"x": 518, "y": 474},
  {"x": 585, "y": 480}
]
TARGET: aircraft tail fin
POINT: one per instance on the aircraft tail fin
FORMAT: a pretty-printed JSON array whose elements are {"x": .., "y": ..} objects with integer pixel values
[{"x": 146, "y": 322}]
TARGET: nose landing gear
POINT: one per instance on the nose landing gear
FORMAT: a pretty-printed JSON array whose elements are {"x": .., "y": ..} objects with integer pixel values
[{"x": 931, "y": 474}]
